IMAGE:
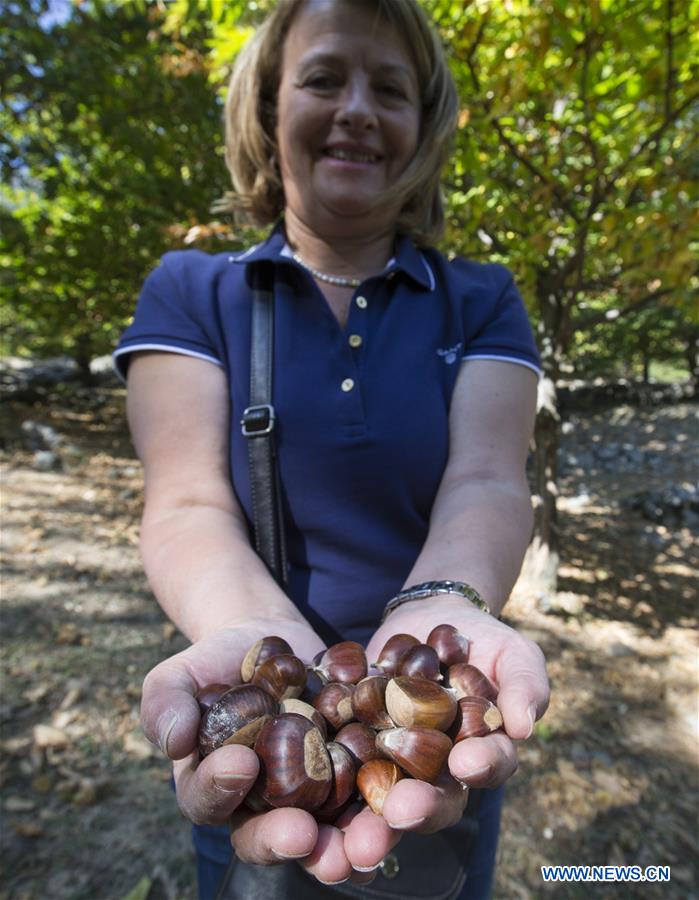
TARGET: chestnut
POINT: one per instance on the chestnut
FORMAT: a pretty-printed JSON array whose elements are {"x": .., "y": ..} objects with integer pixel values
[
  {"x": 344, "y": 781},
  {"x": 450, "y": 644},
  {"x": 281, "y": 676},
  {"x": 295, "y": 705},
  {"x": 368, "y": 702},
  {"x": 392, "y": 651},
  {"x": 417, "y": 701},
  {"x": 295, "y": 768},
  {"x": 235, "y": 718},
  {"x": 344, "y": 662},
  {"x": 421, "y": 752},
  {"x": 260, "y": 651},
  {"x": 335, "y": 703},
  {"x": 466, "y": 680},
  {"x": 420, "y": 661},
  {"x": 375, "y": 779},
  {"x": 210, "y": 693},
  {"x": 475, "y": 717},
  {"x": 360, "y": 740}
]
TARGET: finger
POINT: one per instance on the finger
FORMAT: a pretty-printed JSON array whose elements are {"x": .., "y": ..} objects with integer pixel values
[
  {"x": 483, "y": 761},
  {"x": 524, "y": 687},
  {"x": 328, "y": 861},
  {"x": 273, "y": 837},
  {"x": 208, "y": 792},
  {"x": 414, "y": 805},
  {"x": 368, "y": 838},
  {"x": 169, "y": 713}
]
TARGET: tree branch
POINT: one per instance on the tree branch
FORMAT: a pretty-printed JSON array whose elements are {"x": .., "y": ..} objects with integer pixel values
[{"x": 584, "y": 322}]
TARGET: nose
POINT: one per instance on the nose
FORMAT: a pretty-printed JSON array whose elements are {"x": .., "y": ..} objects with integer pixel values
[{"x": 357, "y": 109}]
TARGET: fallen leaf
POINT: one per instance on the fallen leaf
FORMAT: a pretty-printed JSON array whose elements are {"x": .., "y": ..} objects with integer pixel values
[
  {"x": 169, "y": 631},
  {"x": 28, "y": 829},
  {"x": 135, "y": 744},
  {"x": 42, "y": 784},
  {"x": 140, "y": 891},
  {"x": 67, "y": 634},
  {"x": 48, "y": 736},
  {"x": 36, "y": 693},
  {"x": 18, "y": 804}
]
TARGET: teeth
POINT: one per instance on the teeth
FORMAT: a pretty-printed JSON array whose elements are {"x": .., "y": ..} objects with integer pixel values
[{"x": 352, "y": 157}]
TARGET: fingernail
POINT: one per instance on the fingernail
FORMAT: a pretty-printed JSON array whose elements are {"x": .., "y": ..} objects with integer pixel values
[
  {"x": 367, "y": 868},
  {"x": 531, "y": 713},
  {"x": 407, "y": 823},
  {"x": 231, "y": 782},
  {"x": 340, "y": 881},
  {"x": 166, "y": 723},
  {"x": 288, "y": 855},
  {"x": 475, "y": 775}
]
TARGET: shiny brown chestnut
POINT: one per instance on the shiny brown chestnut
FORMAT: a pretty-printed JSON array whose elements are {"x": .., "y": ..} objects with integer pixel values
[
  {"x": 420, "y": 661},
  {"x": 344, "y": 781},
  {"x": 210, "y": 693},
  {"x": 344, "y": 662},
  {"x": 392, "y": 651},
  {"x": 282, "y": 676},
  {"x": 261, "y": 650},
  {"x": 451, "y": 645},
  {"x": 418, "y": 701},
  {"x": 466, "y": 680},
  {"x": 296, "y": 705},
  {"x": 422, "y": 752},
  {"x": 360, "y": 740},
  {"x": 375, "y": 779},
  {"x": 295, "y": 767},
  {"x": 369, "y": 704},
  {"x": 334, "y": 701},
  {"x": 475, "y": 717},
  {"x": 236, "y": 718}
]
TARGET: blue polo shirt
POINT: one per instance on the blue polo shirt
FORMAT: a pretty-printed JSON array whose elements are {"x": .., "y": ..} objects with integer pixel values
[{"x": 362, "y": 427}]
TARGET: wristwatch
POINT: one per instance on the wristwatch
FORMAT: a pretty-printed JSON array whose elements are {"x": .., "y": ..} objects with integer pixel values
[{"x": 431, "y": 589}]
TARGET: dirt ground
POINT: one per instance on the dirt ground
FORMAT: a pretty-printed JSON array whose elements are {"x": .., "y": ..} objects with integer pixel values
[{"x": 609, "y": 777}]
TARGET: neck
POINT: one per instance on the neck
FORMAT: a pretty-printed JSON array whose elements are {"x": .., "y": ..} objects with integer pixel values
[{"x": 353, "y": 256}]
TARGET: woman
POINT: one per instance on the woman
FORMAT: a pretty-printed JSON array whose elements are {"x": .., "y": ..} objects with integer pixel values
[{"x": 405, "y": 390}]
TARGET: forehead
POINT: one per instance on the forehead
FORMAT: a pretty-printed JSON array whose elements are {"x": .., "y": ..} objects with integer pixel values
[{"x": 334, "y": 25}]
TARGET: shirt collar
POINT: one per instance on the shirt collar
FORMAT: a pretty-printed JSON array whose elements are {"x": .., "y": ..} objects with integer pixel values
[{"x": 407, "y": 257}]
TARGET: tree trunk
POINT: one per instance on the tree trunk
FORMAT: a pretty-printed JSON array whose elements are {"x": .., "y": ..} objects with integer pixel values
[{"x": 540, "y": 568}]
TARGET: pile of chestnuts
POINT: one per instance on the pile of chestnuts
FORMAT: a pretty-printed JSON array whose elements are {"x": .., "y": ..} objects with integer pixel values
[{"x": 339, "y": 731}]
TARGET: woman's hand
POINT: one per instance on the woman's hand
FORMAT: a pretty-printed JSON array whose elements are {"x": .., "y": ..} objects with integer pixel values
[
  {"x": 518, "y": 668},
  {"x": 212, "y": 791}
]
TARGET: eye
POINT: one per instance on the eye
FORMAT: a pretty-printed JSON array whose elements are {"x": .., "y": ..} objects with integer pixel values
[
  {"x": 321, "y": 81},
  {"x": 394, "y": 91}
]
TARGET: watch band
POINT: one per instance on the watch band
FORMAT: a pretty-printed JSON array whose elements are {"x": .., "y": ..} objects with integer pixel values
[{"x": 431, "y": 589}]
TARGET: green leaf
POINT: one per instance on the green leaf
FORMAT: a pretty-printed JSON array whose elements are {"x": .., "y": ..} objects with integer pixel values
[{"x": 140, "y": 891}]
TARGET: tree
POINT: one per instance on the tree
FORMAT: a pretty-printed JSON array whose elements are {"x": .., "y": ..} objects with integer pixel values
[
  {"x": 111, "y": 133},
  {"x": 574, "y": 165}
]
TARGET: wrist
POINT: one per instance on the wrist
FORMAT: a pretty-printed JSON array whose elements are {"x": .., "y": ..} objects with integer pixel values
[{"x": 457, "y": 590}]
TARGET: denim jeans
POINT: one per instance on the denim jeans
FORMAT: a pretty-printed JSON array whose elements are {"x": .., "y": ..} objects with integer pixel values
[{"x": 214, "y": 851}]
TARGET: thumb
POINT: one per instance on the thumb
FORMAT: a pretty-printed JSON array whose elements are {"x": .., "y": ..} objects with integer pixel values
[
  {"x": 169, "y": 711},
  {"x": 524, "y": 688}
]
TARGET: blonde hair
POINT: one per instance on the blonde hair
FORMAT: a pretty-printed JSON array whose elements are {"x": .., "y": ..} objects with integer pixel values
[{"x": 250, "y": 117}]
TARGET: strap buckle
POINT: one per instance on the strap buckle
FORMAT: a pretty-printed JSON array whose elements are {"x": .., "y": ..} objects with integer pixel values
[{"x": 258, "y": 420}]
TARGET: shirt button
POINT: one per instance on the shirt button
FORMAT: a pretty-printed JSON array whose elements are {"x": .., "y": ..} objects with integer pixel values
[
  {"x": 347, "y": 384},
  {"x": 355, "y": 340},
  {"x": 362, "y": 302}
]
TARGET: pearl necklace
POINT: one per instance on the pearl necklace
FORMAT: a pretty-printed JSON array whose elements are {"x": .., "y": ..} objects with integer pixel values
[{"x": 339, "y": 280}]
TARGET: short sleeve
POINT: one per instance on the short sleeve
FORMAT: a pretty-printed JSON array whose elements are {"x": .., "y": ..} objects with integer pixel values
[
  {"x": 501, "y": 329},
  {"x": 173, "y": 314}
]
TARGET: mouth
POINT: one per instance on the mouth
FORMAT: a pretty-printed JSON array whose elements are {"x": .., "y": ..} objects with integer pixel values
[{"x": 352, "y": 155}]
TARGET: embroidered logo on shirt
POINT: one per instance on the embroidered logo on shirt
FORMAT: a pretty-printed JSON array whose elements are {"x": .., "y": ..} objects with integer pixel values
[{"x": 450, "y": 354}]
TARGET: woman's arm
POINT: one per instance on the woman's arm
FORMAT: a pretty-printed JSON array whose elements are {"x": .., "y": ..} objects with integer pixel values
[
  {"x": 479, "y": 529},
  {"x": 194, "y": 538},
  {"x": 211, "y": 583},
  {"x": 482, "y": 517}
]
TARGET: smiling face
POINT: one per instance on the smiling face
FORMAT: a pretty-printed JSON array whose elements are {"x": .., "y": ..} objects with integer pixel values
[{"x": 347, "y": 117}]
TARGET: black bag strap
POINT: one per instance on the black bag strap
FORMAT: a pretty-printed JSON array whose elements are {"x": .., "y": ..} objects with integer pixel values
[{"x": 258, "y": 426}]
